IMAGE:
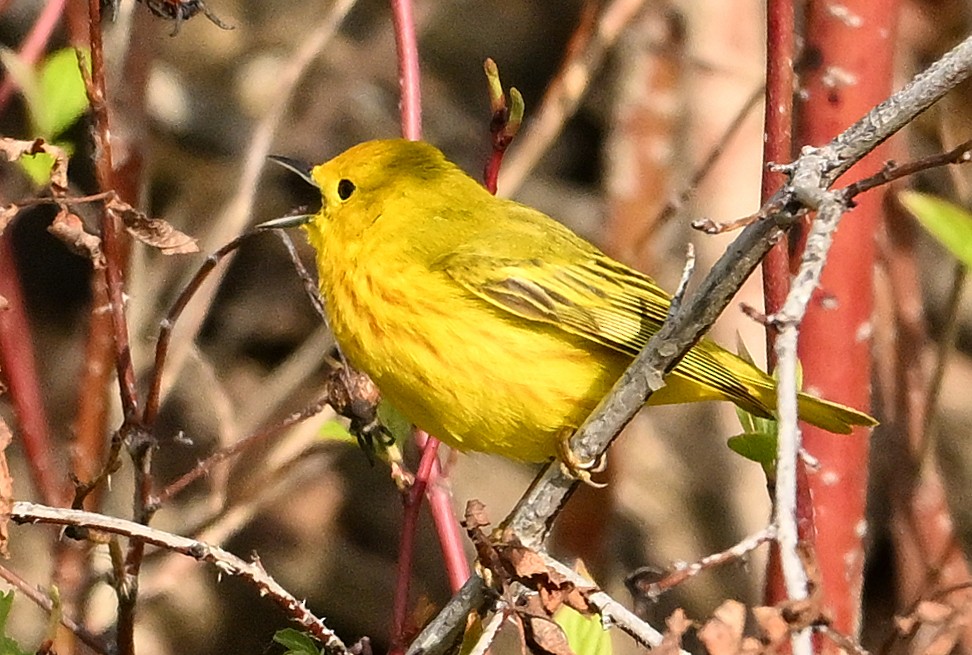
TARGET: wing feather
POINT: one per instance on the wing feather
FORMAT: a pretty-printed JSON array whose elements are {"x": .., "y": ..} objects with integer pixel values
[{"x": 597, "y": 299}]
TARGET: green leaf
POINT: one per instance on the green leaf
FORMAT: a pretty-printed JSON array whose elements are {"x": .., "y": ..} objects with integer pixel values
[
  {"x": 37, "y": 167},
  {"x": 949, "y": 223},
  {"x": 7, "y": 645},
  {"x": 759, "y": 447},
  {"x": 63, "y": 99},
  {"x": 585, "y": 634},
  {"x": 296, "y": 642}
]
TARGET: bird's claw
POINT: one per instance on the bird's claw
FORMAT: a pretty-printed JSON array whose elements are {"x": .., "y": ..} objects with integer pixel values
[{"x": 573, "y": 467}]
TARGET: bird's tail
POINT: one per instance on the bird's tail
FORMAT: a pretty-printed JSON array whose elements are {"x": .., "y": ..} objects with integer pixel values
[
  {"x": 830, "y": 416},
  {"x": 710, "y": 372}
]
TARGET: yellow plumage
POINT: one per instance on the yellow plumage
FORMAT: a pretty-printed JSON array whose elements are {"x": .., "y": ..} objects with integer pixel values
[{"x": 486, "y": 322}]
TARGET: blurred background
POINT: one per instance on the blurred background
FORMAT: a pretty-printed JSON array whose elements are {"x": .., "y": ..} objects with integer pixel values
[{"x": 658, "y": 94}]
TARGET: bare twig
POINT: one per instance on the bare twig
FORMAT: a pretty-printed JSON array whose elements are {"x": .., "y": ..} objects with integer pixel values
[
  {"x": 645, "y": 584},
  {"x": 226, "y": 562},
  {"x": 830, "y": 208},
  {"x": 961, "y": 154},
  {"x": 690, "y": 187},
  {"x": 44, "y": 601},
  {"x": 565, "y": 93},
  {"x": 412, "y": 498},
  {"x": 612, "y": 612},
  {"x": 168, "y": 323},
  {"x": 683, "y": 283},
  {"x": 205, "y": 466}
]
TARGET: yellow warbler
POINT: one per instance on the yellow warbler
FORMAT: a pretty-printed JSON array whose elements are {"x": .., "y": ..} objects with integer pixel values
[{"x": 485, "y": 322}]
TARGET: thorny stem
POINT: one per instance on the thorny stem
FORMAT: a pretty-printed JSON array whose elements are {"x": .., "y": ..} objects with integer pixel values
[{"x": 224, "y": 561}]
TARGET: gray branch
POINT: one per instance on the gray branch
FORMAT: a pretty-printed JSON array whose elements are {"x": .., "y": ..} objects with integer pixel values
[{"x": 810, "y": 176}]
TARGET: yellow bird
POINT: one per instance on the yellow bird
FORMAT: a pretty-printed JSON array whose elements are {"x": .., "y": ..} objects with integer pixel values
[{"x": 485, "y": 322}]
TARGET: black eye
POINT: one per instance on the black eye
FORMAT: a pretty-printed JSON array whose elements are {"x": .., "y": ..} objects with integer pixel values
[{"x": 345, "y": 189}]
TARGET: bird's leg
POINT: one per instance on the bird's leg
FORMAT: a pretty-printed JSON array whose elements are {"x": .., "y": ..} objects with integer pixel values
[{"x": 572, "y": 466}]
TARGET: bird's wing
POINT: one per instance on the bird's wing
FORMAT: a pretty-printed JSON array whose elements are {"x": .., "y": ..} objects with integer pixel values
[{"x": 595, "y": 297}]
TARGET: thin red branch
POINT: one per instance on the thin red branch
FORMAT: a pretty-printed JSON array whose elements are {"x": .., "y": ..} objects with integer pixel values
[
  {"x": 408, "y": 69},
  {"x": 114, "y": 250},
  {"x": 447, "y": 528},
  {"x": 777, "y": 145},
  {"x": 406, "y": 551},
  {"x": 111, "y": 228},
  {"x": 18, "y": 368},
  {"x": 778, "y": 149}
]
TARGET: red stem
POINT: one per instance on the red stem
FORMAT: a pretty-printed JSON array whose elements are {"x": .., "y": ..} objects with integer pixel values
[
  {"x": 19, "y": 370},
  {"x": 406, "y": 550},
  {"x": 446, "y": 526},
  {"x": 408, "y": 69},
  {"x": 854, "y": 50},
  {"x": 778, "y": 149},
  {"x": 778, "y": 146}
]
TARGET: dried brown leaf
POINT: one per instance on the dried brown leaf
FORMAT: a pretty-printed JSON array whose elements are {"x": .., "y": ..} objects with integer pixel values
[
  {"x": 545, "y": 635},
  {"x": 475, "y": 517},
  {"x": 577, "y": 599},
  {"x": 69, "y": 228},
  {"x": 722, "y": 634},
  {"x": 6, "y": 489},
  {"x": 551, "y": 598},
  {"x": 152, "y": 231},
  {"x": 523, "y": 562},
  {"x": 14, "y": 149}
]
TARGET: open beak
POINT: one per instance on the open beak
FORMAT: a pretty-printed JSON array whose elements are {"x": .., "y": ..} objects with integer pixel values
[
  {"x": 301, "y": 168},
  {"x": 304, "y": 171}
]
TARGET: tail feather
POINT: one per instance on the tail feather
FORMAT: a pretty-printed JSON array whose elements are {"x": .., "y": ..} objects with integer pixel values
[
  {"x": 717, "y": 373},
  {"x": 831, "y": 416}
]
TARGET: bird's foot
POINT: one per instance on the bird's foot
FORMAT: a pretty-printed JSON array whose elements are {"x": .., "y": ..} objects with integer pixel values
[{"x": 573, "y": 467}]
